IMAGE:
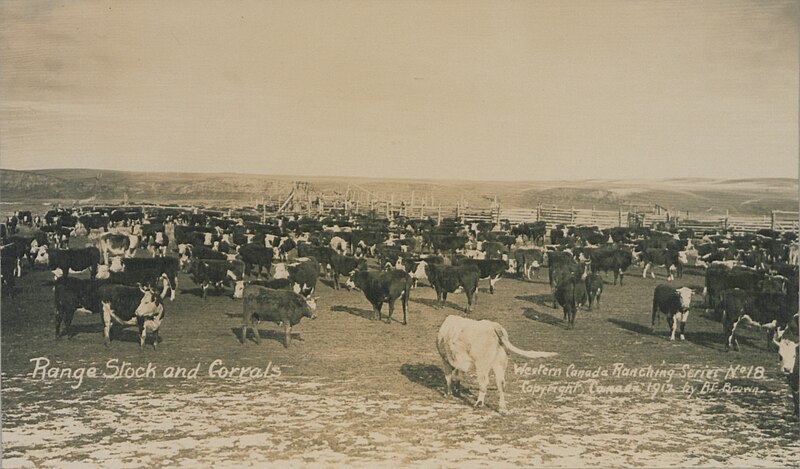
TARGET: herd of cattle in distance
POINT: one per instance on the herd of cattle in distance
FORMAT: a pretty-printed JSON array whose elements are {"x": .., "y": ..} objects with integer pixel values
[{"x": 273, "y": 265}]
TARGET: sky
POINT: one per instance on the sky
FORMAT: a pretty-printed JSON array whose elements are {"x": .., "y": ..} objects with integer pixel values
[{"x": 484, "y": 90}]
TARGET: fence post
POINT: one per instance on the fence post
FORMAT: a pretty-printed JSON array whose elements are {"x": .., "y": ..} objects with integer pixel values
[
  {"x": 772, "y": 222},
  {"x": 619, "y": 223},
  {"x": 439, "y": 218},
  {"x": 572, "y": 216}
]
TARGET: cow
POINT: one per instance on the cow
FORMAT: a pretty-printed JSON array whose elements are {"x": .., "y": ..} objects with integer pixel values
[
  {"x": 610, "y": 258},
  {"x": 129, "y": 306},
  {"x": 345, "y": 266},
  {"x": 570, "y": 294},
  {"x": 114, "y": 244},
  {"x": 284, "y": 248},
  {"x": 491, "y": 269},
  {"x": 64, "y": 261},
  {"x": 716, "y": 280},
  {"x": 282, "y": 307},
  {"x": 447, "y": 279},
  {"x": 253, "y": 254},
  {"x": 594, "y": 289},
  {"x": 671, "y": 259},
  {"x": 208, "y": 272},
  {"x": 9, "y": 265},
  {"x": 466, "y": 345},
  {"x": 534, "y": 231},
  {"x": 194, "y": 251},
  {"x": 71, "y": 294},
  {"x": 303, "y": 273},
  {"x": 383, "y": 287},
  {"x": 163, "y": 265},
  {"x": 561, "y": 266},
  {"x": 789, "y": 356},
  {"x": 527, "y": 261},
  {"x": 674, "y": 303},
  {"x": 737, "y": 306}
]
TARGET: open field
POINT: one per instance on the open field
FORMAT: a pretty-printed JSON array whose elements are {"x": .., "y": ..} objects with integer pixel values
[
  {"x": 696, "y": 195},
  {"x": 370, "y": 394}
]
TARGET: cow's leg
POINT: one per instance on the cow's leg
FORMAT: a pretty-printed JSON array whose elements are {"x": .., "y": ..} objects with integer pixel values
[
  {"x": 107, "y": 324},
  {"x": 644, "y": 271},
  {"x": 483, "y": 384},
  {"x": 655, "y": 312},
  {"x": 173, "y": 288},
  {"x": 673, "y": 325},
  {"x": 500, "y": 378},
  {"x": 684, "y": 318},
  {"x": 287, "y": 329},
  {"x": 156, "y": 339},
  {"x": 391, "y": 310},
  {"x": 205, "y": 286},
  {"x": 729, "y": 329},
  {"x": 448, "y": 377},
  {"x": 59, "y": 318},
  {"x": 68, "y": 316},
  {"x": 652, "y": 271},
  {"x": 142, "y": 336}
]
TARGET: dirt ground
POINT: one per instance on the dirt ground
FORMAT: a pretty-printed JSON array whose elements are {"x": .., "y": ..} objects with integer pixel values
[{"x": 359, "y": 392}]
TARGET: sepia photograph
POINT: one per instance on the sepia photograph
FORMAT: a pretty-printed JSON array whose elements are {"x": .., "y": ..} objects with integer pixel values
[{"x": 399, "y": 234}]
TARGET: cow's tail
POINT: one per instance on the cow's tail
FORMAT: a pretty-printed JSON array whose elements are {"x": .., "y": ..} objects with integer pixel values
[{"x": 503, "y": 336}]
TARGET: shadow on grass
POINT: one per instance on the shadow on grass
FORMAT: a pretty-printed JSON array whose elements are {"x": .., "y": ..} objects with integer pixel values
[
  {"x": 435, "y": 305},
  {"x": 545, "y": 318},
  {"x": 265, "y": 334},
  {"x": 360, "y": 312}
]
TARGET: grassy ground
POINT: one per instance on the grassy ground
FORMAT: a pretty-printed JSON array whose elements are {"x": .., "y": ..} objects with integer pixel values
[{"x": 364, "y": 393}]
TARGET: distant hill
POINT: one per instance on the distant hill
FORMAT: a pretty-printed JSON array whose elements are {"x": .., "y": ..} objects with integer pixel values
[{"x": 68, "y": 186}]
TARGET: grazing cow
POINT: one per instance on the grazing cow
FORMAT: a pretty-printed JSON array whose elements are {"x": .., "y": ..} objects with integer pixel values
[
  {"x": 380, "y": 287},
  {"x": 466, "y": 345},
  {"x": 345, "y": 266},
  {"x": 303, "y": 273},
  {"x": 114, "y": 244},
  {"x": 129, "y": 306},
  {"x": 674, "y": 303},
  {"x": 208, "y": 272},
  {"x": 594, "y": 288},
  {"x": 253, "y": 254},
  {"x": 279, "y": 306},
  {"x": 789, "y": 356},
  {"x": 491, "y": 269},
  {"x": 163, "y": 265},
  {"x": 447, "y": 279},
  {"x": 671, "y": 259},
  {"x": 527, "y": 261},
  {"x": 570, "y": 294},
  {"x": 64, "y": 261},
  {"x": 71, "y": 294}
]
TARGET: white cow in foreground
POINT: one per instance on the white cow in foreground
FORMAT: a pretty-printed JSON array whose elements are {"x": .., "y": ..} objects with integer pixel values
[{"x": 467, "y": 344}]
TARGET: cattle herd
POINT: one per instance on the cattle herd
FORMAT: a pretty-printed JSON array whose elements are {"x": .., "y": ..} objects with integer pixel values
[{"x": 126, "y": 269}]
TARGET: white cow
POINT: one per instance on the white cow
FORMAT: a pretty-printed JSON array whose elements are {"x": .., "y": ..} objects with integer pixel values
[{"x": 467, "y": 344}]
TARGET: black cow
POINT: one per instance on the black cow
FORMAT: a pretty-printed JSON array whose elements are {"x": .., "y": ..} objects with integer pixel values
[
  {"x": 71, "y": 294},
  {"x": 303, "y": 273},
  {"x": 560, "y": 266},
  {"x": 737, "y": 306},
  {"x": 256, "y": 255},
  {"x": 163, "y": 265},
  {"x": 282, "y": 307},
  {"x": 671, "y": 259},
  {"x": 380, "y": 287},
  {"x": 715, "y": 283},
  {"x": 570, "y": 294},
  {"x": 527, "y": 261},
  {"x": 594, "y": 288},
  {"x": 74, "y": 259},
  {"x": 491, "y": 269},
  {"x": 129, "y": 306},
  {"x": 447, "y": 279},
  {"x": 208, "y": 272},
  {"x": 610, "y": 258},
  {"x": 345, "y": 265},
  {"x": 534, "y": 231},
  {"x": 285, "y": 247},
  {"x": 674, "y": 303}
]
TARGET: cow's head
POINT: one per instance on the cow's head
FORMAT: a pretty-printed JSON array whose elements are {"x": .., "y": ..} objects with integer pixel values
[
  {"x": 116, "y": 264},
  {"x": 281, "y": 271},
  {"x": 311, "y": 302},
  {"x": 350, "y": 284},
  {"x": 685, "y": 294},
  {"x": 238, "y": 290},
  {"x": 787, "y": 350},
  {"x": 42, "y": 257},
  {"x": 150, "y": 304}
]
